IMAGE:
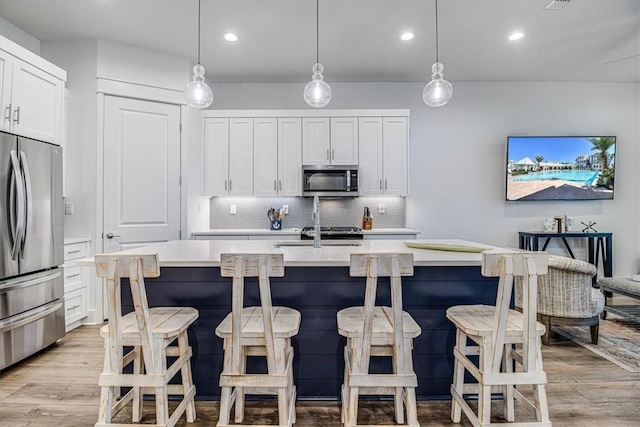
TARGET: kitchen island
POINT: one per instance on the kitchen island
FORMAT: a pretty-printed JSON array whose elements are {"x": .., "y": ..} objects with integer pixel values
[{"x": 317, "y": 283}]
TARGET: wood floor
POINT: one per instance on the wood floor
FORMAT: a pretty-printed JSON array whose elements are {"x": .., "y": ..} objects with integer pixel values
[{"x": 58, "y": 388}]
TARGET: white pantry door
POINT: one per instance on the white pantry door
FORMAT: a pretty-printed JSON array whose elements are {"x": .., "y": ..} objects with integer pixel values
[{"x": 141, "y": 173}]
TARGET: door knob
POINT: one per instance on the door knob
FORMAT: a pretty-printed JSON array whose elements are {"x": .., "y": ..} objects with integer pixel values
[{"x": 110, "y": 235}]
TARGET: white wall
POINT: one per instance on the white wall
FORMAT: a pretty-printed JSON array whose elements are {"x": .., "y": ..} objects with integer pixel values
[
  {"x": 86, "y": 62},
  {"x": 79, "y": 59},
  {"x": 19, "y": 36},
  {"x": 146, "y": 67},
  {"x": 458, "y": 152}
]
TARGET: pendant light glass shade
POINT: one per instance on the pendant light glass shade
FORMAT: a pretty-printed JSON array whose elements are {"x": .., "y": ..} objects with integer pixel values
[
  {"x": 317, "y": 93},
  {"x": 197, "y": 93},
  {"x": 438, "y": 91}
]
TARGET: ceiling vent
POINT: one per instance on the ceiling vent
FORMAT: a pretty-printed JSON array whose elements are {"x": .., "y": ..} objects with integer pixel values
[{"x": 556, "y": 4}]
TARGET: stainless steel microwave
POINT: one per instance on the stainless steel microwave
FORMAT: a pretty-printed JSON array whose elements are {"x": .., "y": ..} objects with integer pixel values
[{"x": 330, "y": 181}]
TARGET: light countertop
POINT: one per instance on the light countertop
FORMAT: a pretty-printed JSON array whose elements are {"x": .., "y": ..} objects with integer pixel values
[
  {"x": 71, "y": 240},
  {"x": 288, "y": 231},
  {"x": 206, "y": 253},
  {"x": 247, "y": 231}
]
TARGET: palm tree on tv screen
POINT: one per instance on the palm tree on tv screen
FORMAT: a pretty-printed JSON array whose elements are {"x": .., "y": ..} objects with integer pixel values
[
  {"x": 539, "y": 160},
  {"x": 602, "y": 144}
]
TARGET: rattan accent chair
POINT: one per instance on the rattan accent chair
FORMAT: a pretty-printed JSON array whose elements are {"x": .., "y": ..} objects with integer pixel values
[{"x": 566, "y": 296}]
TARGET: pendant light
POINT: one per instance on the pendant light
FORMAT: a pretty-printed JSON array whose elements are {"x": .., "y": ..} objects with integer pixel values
[
  {"x": 197, "y": 93},
  {"x": 317, "y": 93},
  {"x": 438, "y": 91}
]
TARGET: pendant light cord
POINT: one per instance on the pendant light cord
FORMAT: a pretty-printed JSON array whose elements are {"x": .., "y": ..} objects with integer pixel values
[
  {"x": 317, "y": 31},
  {"x": 437, "y": 31},
  {"x": 199, "y": 7}
]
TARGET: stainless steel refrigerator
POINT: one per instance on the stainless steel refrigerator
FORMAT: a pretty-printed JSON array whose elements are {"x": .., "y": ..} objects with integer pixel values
[{"x": 31, "y": 247}]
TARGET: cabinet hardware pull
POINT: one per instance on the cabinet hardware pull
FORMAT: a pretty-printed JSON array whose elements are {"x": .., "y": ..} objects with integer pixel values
[
  {"x": 16, "y": 115},
  {"x": 280, "y": 184},
  {"x": 225, "y": 185},
  {"x": 73, "y": 308},
  {"x": 328, "y": 154},
  {"x": 381, "y": 183},
  {"x": 333, "y": 154},
  {"x": 230, "y": 183},
  {"x": 385, "y": 183},
  {"x": 73, "y": 275},
  {"x": 275, "y": 185},
  {"x": 74, "y": 252},
  {"x": 7, "y": 113}
]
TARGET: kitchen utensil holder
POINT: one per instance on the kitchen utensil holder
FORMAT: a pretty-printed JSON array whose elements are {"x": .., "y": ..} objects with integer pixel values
[{"x": 275, "y": 224}]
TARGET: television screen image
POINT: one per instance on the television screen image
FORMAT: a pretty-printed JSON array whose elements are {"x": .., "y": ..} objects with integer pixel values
[{"x": 560, "y": 167}]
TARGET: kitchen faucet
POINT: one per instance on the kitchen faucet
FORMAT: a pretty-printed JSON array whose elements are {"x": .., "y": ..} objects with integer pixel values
[{"x": 316, "y": 227}]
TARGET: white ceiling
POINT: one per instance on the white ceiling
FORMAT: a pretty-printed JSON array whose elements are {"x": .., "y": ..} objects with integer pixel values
[{"x": 359, "y": 39}]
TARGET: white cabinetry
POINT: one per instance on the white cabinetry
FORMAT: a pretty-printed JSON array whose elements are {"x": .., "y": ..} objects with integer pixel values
[
  {"x": 32, "y": 94},
  {"x": 330, "y": 141},
  {"x": 383, "y": 156},
  {"x": 277, "y": 156},
  {"x": 228, "y": 163},
  {"x": 75, "y": 283}
]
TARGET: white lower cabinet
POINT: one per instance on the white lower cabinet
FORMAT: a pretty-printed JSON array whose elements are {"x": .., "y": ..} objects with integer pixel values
[{"x": 75, "y": 283}]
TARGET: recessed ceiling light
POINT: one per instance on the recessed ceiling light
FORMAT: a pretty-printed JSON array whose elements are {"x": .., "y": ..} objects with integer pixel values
[
  {"x": 406, "y": 36},
  {"x": 516, "y": 36},
  {"x": 230, "y": 37}
]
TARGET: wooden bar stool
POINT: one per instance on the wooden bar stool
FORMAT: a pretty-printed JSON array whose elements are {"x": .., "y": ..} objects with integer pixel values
[
  {"x": 256, "y": 331},
  {"x": 502, "y": 337},
  {"x": 379, "y": 331},
  {"x": 150, "y": 331}
]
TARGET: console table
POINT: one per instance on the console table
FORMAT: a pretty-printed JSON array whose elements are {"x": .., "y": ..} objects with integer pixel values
[{"x": 600, "y": 245}]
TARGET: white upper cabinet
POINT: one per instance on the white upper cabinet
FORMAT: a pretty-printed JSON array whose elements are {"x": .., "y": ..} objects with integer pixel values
[
  {"x": 344, "y": 141},
  {"x": 265, "y": 156},
  {"x": 383, "y": 156},
  {"x": 290, "y": 156},
  {"x": 330, "y": 141},
  {"x": 228, "y": 163},
  {"x": 261, "y": 152},
  {"x": 6, "y": 71},
  {"x": 395, "y": 157},
  {"x": 32, "y": 94},
  {"x": 277, "y": 147},
  {"x": 315, "y": 141}
]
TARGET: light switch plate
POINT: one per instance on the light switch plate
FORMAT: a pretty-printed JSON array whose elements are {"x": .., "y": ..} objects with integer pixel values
[
  {"x": 285, "y": 209},
  {"x": 68, "y": 208},
  {"x": 382, "y": 208},
  {"x": 232, "y": 209}
]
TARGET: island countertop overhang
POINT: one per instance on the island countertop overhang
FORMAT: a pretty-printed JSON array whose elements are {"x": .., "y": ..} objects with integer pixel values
[{"x": 206, "y": 253}]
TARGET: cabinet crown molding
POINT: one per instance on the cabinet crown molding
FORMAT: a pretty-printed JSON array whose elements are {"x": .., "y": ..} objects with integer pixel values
[
  {"x": 31, "y": 58},
  {"x": 308, "y": 113}
]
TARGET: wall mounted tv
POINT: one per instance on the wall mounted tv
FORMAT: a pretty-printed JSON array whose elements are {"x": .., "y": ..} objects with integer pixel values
[{"x": 560, "y": 167}]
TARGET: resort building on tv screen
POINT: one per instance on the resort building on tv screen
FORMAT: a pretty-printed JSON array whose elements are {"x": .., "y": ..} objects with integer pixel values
[{"x": 560, "y": 167}]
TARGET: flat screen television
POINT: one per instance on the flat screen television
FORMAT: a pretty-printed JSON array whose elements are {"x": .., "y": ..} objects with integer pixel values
[{"x": 560, "y": 167}]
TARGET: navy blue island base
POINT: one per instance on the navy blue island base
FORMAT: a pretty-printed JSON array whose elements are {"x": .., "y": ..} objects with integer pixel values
[{"x": 319, "y": 293}]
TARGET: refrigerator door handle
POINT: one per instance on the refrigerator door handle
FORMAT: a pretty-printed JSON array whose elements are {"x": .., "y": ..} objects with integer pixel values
[
  {"x": 29, "y": 316},
  {"x": 13, "y": 284},
  {"x": 29, "y": 199},
  {"x": 16, "y": 205}
]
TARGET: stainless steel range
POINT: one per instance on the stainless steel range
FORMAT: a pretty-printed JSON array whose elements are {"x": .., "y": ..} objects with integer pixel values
[{"x": 333, "y": 233}]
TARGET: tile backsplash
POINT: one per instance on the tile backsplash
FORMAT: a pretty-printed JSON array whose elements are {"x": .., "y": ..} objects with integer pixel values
[{"x": 251, "y": 212}]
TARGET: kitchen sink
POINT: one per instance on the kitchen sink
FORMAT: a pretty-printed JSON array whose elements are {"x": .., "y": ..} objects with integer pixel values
[{"x": 309, "y": 243}]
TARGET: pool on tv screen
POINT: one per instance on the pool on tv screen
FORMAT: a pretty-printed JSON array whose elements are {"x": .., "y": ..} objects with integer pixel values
[{"x": 560, "y": 167}]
